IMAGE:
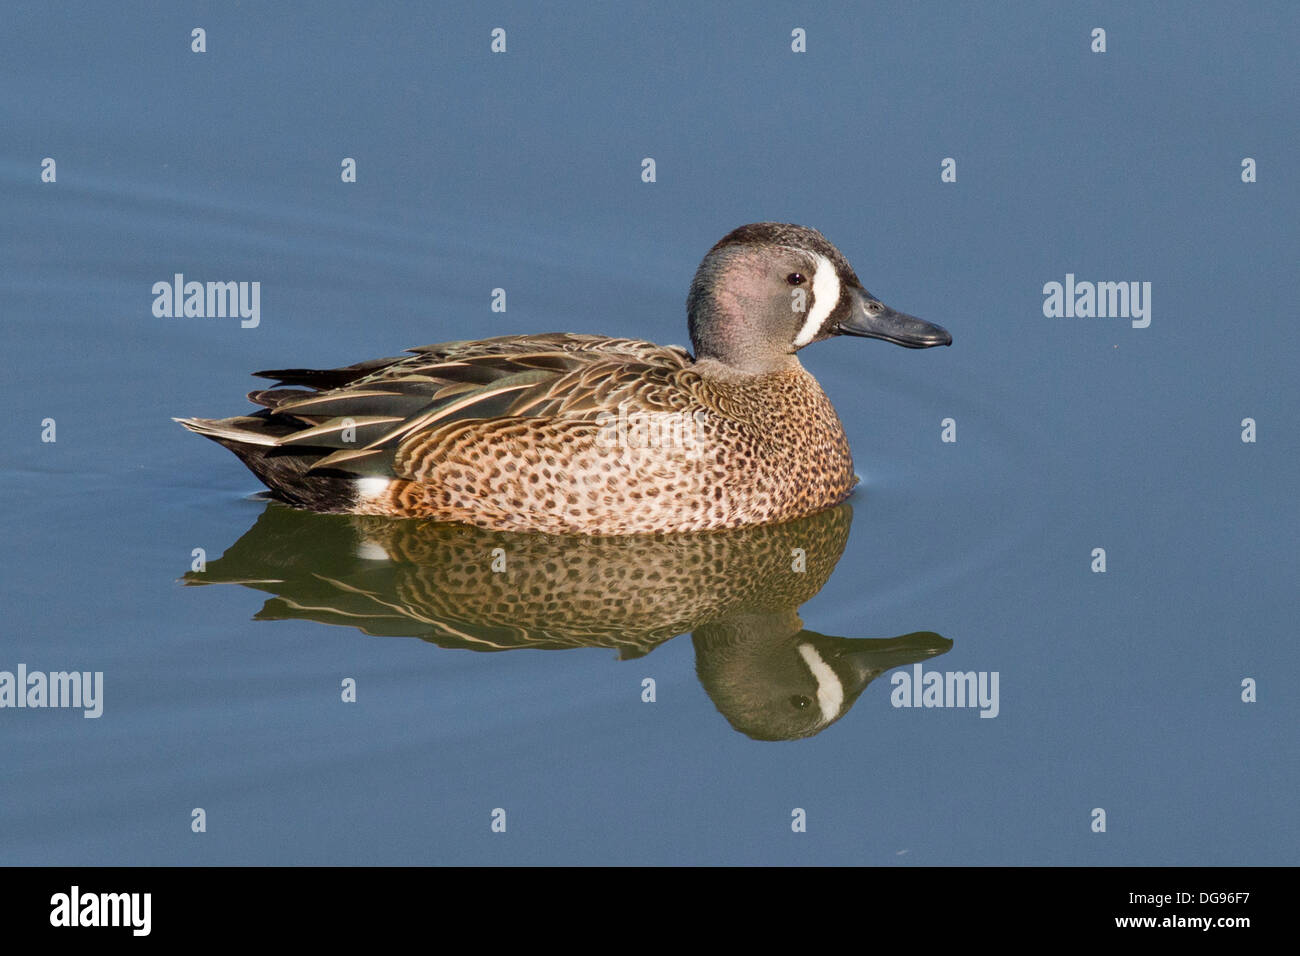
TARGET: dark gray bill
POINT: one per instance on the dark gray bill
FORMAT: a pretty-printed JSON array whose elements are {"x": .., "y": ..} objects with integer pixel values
[{"x": 871, "y": 318}]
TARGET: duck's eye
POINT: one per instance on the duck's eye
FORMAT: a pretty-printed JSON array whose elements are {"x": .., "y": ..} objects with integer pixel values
[
  {"x": 795, "y": 278},
  {"x": 799, "y": 701}
]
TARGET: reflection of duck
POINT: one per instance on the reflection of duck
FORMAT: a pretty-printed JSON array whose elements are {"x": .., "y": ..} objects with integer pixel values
[
  {"x": 458, "y": 586},
  {"x": 588, "y": 434}
]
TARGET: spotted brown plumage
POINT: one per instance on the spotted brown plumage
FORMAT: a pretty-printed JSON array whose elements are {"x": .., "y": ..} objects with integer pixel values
[
  {"x": 568, "y": 433},
  {"x": 441, "y": 581}
]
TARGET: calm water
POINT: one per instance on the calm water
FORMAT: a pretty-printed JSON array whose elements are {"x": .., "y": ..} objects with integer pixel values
[{"x": 1118, "y": 690}]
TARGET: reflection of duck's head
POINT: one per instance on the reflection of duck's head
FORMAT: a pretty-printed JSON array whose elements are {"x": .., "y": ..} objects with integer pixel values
[{"x": 773, "y": 680}]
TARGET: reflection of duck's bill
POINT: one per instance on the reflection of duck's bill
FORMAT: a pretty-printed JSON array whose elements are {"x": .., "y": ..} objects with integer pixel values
[{"x": 868, "y": 659}]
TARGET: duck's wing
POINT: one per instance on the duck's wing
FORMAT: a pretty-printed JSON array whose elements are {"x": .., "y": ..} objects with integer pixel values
[
  {"x": 354, "y": 419},
  {"x": 441, "y": 359}
]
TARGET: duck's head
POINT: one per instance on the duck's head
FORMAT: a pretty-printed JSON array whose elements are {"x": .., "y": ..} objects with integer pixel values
[{"x": 766, "y": 290}]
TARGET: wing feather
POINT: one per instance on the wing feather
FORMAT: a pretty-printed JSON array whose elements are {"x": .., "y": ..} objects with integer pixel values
[{"x": 357, "y": 417}]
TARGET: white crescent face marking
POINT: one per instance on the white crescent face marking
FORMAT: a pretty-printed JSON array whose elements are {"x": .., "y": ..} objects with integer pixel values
[
  {"x": 830, "y": 692},
  {"x": 372, "y": 487},
  {"x": 826, "y": 295}
]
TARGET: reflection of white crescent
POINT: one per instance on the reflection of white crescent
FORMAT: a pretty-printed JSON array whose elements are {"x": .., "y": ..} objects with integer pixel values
[{"x": 830, "y": 691}]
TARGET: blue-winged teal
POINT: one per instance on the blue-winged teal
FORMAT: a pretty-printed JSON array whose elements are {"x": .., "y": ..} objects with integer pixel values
[{"x": 568, "y": 433}]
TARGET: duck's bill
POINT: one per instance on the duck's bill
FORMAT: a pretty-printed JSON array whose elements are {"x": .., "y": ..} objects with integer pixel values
[{"x": 871, "y": 318}]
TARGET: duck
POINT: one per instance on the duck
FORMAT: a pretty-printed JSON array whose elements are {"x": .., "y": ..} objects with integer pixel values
[{"x": 568, "y": 433}]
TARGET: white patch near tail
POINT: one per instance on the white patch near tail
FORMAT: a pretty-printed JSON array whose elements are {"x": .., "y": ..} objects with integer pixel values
[
  {"x": 830, "y": 691},
  {"x": 371, "y": 488},
  {"x": 826, "y": 295}
]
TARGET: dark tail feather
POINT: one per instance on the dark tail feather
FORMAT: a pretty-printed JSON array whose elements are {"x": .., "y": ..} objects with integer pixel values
[
  {"x": 283, "y": 470},
  {"x": 327, "y": 378}
]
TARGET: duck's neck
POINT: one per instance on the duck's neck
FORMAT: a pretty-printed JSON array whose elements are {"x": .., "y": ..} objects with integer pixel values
[{"x": 727, "y": 372}]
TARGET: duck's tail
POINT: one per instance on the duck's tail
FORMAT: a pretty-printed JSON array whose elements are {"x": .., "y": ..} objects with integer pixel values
[{"x": 255, "y": 440}]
